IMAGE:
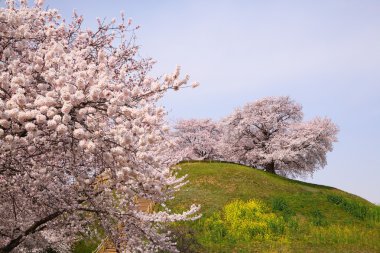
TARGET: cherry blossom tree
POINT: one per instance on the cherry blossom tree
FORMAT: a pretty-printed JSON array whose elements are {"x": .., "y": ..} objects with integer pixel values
[
  {"x": 270, "y": 134},
  {"x": 81, "y": 136},
  {"x": 197, "y": 139}
]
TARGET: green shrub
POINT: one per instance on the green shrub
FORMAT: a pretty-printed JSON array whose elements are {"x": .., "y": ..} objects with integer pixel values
[
  {"x": 280, "y": 204},
  {"x": 354, "y": 208},
  {"x": 318, "y": 219}
]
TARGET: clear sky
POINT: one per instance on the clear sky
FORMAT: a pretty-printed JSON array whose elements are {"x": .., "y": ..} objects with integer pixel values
[{"x": 324, "y": 54}]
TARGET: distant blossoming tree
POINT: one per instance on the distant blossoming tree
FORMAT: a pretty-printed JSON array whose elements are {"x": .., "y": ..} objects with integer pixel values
[
  {"x": 271, "y": 135},
  {"x": 197, "y": 139},
  {"x": 81, "y": 136}
]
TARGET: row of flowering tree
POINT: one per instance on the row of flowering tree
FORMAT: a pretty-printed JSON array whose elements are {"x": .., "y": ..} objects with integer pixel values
[
  {"x": 269, "y": 134},
  {"x": 78, "y": 106}
]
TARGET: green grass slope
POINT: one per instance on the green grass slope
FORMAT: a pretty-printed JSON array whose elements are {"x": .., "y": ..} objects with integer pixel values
[{"x": 249, "y": 210}]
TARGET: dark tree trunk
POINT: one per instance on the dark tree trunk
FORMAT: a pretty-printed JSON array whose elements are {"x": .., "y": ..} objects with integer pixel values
[
  {"x": 35, "y": 227},
  {"x": 11, "y": 245},
  {"x": 270, "y": 168}
]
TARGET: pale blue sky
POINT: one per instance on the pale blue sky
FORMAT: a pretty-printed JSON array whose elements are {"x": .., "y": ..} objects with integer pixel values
[{"x": 324, "y": 54}]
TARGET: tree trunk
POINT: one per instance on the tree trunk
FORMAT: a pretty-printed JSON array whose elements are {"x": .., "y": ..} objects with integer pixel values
[
  {"x": 35, "y": 227},
  {"x": 270, "y": 168},
  {"x": 11, "y": 245}
]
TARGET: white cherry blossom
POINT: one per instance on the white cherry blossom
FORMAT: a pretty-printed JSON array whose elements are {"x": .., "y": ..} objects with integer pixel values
[{"x": 77, "y": 106}]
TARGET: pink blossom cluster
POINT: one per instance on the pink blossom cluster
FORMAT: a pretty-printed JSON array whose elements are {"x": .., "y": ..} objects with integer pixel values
[
  {"x": 197, "y": 139},
  {"x": 268, "y": 134},
  {"x": 81, "y": 136}
]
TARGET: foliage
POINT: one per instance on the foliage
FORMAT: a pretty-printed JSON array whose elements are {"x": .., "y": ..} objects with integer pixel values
[
  {"x": 81, "y": 135},
  {"x": 358, "y": 210},
  {"x": 318, "y": 219},
  {"x": 280, "y": 204}
]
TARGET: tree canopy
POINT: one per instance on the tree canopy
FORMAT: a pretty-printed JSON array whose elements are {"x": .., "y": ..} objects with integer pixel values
[
  {"x": 197, "y": 139},
  {"x": 270, "y": 134},
  {"x": 81, "y": 136}
]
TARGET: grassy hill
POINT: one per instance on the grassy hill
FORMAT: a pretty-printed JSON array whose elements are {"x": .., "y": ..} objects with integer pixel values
[{"x": 249, "y": 210}]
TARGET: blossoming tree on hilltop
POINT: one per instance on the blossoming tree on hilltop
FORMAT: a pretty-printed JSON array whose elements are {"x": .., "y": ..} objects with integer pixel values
[{"x": 271, "y": 135}]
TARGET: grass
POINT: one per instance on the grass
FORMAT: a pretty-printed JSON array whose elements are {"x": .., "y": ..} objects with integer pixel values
[
  {"x": 85, "y": 245},
  {"x": 359, "y": 210},
  {"x": 90, "y": 241},
  {"x": 248, "y": 210}
]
